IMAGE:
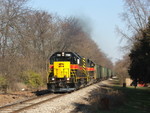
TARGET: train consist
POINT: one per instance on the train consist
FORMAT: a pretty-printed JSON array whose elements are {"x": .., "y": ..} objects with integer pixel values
[{"x": 68, "y": 71}]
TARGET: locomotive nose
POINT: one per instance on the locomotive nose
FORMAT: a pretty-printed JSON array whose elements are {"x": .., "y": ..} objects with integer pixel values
[{"x": 62, "y": 69}]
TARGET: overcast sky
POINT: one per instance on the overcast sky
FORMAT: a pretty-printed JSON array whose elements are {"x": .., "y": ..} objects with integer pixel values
[{"x": 101, "y": 18}]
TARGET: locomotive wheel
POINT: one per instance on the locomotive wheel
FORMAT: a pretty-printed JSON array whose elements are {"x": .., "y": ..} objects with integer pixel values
[
  {"x": 53, "y": 87},
  {"x": 77, "y": 86},
  {"x": 48, "y": 86}
]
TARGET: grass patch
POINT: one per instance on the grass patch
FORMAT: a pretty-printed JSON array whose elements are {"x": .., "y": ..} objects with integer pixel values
[{"x": 137, "y": 100}]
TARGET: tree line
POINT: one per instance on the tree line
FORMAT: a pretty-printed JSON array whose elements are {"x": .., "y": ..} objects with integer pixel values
[
  {"x": 135, "y": 63},
  {"x": 29, "y": 37}
]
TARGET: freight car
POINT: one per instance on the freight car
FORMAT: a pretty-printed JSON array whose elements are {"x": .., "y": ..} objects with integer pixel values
[{"x": 69, "y": 71}]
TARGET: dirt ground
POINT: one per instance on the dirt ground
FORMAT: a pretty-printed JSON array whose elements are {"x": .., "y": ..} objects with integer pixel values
[{"x": 14, "y": 97}]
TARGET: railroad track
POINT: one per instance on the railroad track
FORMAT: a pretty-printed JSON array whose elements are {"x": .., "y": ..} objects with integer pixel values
[{"x": 27, "y": 104}]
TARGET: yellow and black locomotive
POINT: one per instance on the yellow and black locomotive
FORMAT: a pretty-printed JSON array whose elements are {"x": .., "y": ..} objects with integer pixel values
[{"x": 69, "y": 71}]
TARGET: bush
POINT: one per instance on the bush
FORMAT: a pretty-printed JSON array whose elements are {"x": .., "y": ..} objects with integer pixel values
[
  {"x": 33, "y": 79},
  {"x": 2, "y": 81},
  {"x": 3, "y": 84}
]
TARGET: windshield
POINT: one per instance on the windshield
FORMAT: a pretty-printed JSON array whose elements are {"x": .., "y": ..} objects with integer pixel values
[
  {"x": 62, "y": 58},
  {"x": 71, "y": 59}
]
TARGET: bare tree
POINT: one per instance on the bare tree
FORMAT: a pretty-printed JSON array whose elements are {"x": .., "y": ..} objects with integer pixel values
[
  {"x": 11, "y": 17},
  {"x": 121, "y": 68},
  {"x": 136, "y": 17}
]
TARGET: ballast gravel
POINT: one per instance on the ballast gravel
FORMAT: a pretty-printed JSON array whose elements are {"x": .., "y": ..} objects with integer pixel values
[{"x": 67, "y": 103}]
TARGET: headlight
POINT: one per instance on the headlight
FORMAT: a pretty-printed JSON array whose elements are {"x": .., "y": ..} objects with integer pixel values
[
  {"x": 68, "y": 78},
  {"x": 53, "y": 78}
]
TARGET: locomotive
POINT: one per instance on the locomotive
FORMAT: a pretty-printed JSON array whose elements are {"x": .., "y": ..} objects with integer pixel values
[{"x": 69, "y": 71}]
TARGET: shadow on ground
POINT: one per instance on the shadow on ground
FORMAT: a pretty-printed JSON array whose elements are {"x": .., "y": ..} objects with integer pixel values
[
  {"x": 81, "y": 108},
  {"x": 41, "y": 92}
]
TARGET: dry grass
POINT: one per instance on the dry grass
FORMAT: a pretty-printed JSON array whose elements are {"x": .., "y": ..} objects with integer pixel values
[{"x": 105, "y": 98}]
